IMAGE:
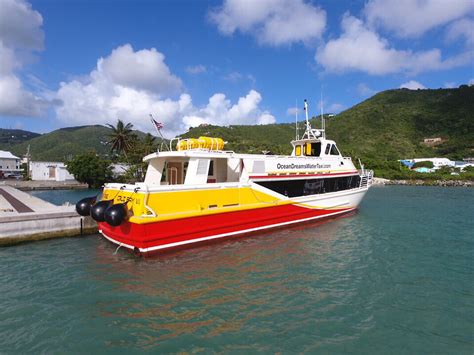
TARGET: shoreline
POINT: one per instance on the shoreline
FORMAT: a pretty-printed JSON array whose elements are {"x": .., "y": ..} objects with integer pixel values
[
  {"x": 34, "y": 185},
  {"x": 418, "y": 182}
]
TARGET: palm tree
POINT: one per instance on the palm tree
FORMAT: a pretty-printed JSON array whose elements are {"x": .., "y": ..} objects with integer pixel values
[
  {"x": 122, "y": 137},
  {"x": 149, "y": 143}
]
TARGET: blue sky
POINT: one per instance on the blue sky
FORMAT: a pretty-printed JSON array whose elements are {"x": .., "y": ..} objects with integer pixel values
[{"x": 68, "y": 63}]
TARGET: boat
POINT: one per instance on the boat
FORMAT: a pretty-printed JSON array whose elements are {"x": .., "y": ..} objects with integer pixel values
[{"x": 198, "y": 192}]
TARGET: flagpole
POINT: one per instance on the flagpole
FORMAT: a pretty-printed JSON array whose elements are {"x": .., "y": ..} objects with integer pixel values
[{"x": 163, "y": 140}]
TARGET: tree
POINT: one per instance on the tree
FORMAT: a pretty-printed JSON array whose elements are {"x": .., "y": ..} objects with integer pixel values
[
  {"x": 423, "y": 164},
  {"x": 149, "y": 144},
  {"x": 141, "y": 148},
  {"x": 121, "y": 138},
  {"x": 89, "y": 168}
]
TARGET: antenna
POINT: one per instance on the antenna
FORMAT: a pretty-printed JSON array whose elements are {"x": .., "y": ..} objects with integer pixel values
[
  {"x": 323, "y": 123},
  {"x": 296, "y": 120},
  {"x": 306, "y": 110}
]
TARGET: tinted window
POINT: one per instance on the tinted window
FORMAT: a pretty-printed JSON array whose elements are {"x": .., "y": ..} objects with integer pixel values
[
  {"x": 211, "y": 168},
  {"x": 316, "y": 149},
  {"x": 327, "y": 149},
  {"x": 334, "y": 150},
  {"x": 295, "y": 188}
]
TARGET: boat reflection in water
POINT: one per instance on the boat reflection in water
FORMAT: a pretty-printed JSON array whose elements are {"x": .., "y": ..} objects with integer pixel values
[{"x": 218, "y": 290}]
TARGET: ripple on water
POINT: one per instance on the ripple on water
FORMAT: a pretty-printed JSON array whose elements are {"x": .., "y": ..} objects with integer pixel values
[{"x": 395, "y": 277}]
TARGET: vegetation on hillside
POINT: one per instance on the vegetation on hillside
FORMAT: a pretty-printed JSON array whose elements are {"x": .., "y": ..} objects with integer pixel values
[
  {"x": 381, "y": 130},
  {"x": 392, "y": 124},
  {"x": 66, "y": 143},
  {"x": 12, "y": 137}
]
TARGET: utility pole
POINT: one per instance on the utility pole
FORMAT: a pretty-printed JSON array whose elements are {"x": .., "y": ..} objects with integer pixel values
[{"x": 28, "y": 163}]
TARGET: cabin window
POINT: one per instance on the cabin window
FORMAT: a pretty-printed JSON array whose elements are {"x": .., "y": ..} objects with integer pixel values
[
  {"x": 185, "y": 168},
  {"x": 298, "y": 150},
  {"x": 310, "y": 149},
  {"x": 296, "y": 188},
  {"x": 211, "y": 168},
  {"x": 327, "y": 149},
  {"x": 165, "y": 171},
  {"x": 334, "y": 150},
  {"x": 316, "y": 149}
]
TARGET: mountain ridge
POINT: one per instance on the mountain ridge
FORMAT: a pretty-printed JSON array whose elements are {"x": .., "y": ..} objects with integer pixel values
[{"x": 390, "y": 125}]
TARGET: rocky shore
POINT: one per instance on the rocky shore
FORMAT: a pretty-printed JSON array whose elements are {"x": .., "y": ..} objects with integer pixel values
[{"x": 444, "y": 183}]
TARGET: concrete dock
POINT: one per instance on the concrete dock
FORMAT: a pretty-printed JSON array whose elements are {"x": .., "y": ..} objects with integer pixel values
[{"x": 24, "y": 217}]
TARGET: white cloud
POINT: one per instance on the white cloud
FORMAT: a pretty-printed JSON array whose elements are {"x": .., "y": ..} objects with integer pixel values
[
  {"x": 20, "y": 35},
  {"x": 266, "y": 118},
  {"x": 360, "y": 49},
  {"x": 104, "y": 96},
  {"x": 471, "y": 82},
  {"x": 196, "y": 69},
  {"x": 412, "y": 18},
  {"x": 141, "y": 70},
  {"x": 16, "y": 101},
  {"x": 272, "y": 22},
  {"x": 335, "y": 108},
  {"x": 450, "y": 85},
  {"x": 463, "y": 28},
  {"x": 325, "y": 107},
  {"x": 220, "y": 111},
  {"x": 233, "y": 77},
  {"x": 292, "y": 111},
  {"x": 412, "y": 85},
  {"x": 20, "y": 25},
  {"x": 364, "y": 90}
]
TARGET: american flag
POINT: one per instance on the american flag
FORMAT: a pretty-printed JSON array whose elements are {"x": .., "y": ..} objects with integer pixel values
[{"x": 158, "y": 125}]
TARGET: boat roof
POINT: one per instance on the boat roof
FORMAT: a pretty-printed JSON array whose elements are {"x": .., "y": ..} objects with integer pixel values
[
  {"x": 202, "y": 153},
  {"x": 206, "y": 153}
]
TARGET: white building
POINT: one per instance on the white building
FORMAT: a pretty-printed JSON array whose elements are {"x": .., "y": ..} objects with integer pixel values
[
  {"x": 9, "y": 163},
  {"x": 47, "y": 170},
  {"x": 119, "y": 169}
]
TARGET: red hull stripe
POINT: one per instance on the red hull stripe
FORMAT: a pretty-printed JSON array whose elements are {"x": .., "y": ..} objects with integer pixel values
[
  {"x": 294, "y": 176},
  {"x": 168, "y": 234}
]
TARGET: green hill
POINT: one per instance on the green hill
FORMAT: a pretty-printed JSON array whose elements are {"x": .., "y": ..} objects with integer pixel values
[
  {"x": 12, "y": 137},
  {"x": 390, "y": 125},
  {"x": 63, "y": 143},
  {"x": 393, "y": 124}
]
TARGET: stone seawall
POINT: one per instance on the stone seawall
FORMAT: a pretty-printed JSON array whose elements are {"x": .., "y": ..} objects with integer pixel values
[
  {"x": 43, "y": 185},
  {"x": 442, "y": 183},
  {"x": 37, "y": 226},
  {"x": 24, "y": 218}
]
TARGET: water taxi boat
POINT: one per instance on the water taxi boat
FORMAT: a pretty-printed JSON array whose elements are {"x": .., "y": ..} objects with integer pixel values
[{"x": 200, "y": 193}]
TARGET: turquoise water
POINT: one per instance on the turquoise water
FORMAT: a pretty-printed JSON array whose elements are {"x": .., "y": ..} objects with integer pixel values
[
  {"x": 397, "y": 277},
  {"x": 60, "y": 197}
]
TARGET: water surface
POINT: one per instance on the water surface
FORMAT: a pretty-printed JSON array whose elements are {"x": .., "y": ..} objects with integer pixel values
[{"x": 396, "y": 277}]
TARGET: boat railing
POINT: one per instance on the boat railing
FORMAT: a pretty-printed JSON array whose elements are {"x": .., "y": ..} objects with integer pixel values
[
  {"x": 178, "y": 187},
  {"x": 366, "y": 178}
]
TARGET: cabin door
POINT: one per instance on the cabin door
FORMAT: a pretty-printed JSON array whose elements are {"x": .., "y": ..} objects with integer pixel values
[{"x": 175, "y": 173}]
